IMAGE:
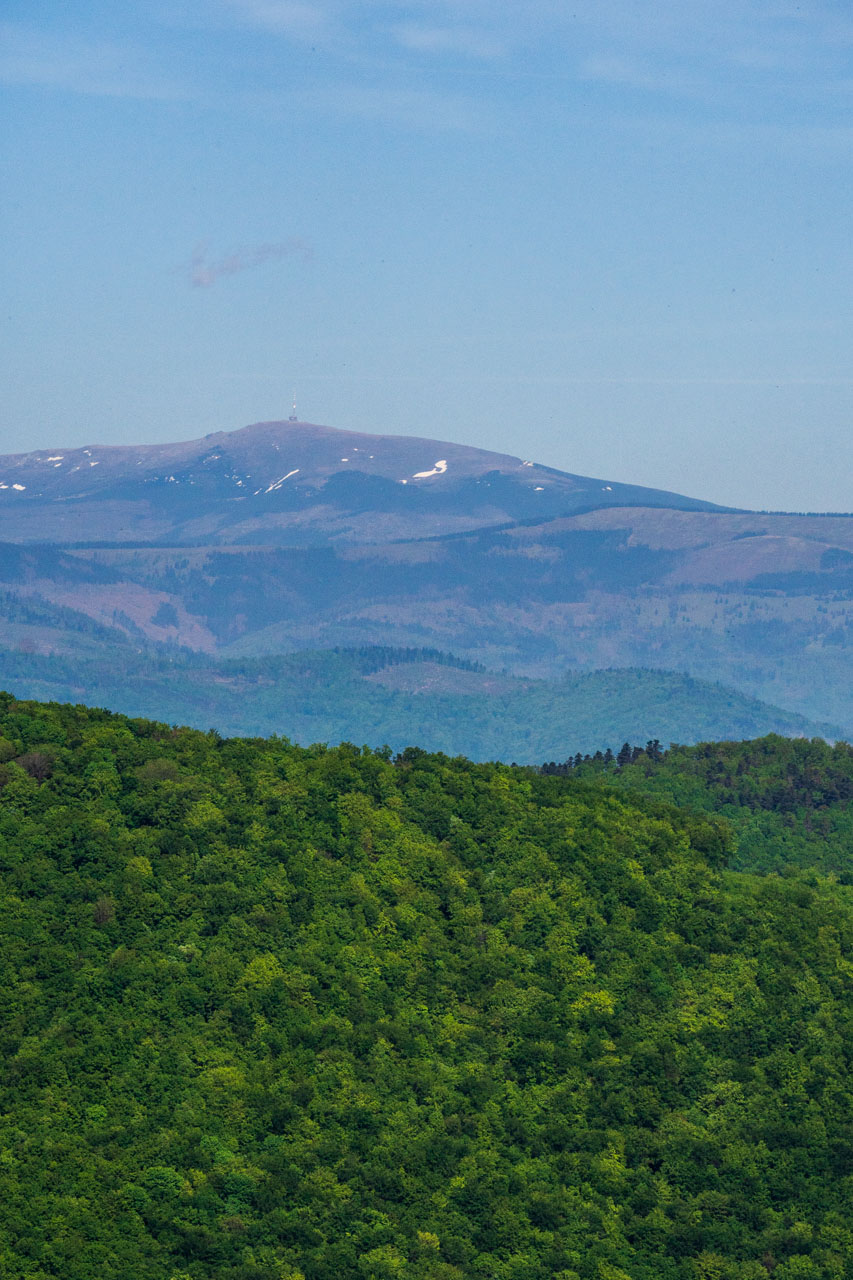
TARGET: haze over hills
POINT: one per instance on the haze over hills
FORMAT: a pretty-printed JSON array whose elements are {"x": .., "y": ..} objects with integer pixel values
[
  {"x": 286, "y": 537},
  {"x": 403, "y": 697}
]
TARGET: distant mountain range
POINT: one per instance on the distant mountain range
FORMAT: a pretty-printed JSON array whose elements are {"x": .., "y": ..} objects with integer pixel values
[{"x": 286, "y": 537}]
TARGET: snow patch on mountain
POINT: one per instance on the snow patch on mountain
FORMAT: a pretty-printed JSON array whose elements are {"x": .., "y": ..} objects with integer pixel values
[{"x": 438, "y": 470}]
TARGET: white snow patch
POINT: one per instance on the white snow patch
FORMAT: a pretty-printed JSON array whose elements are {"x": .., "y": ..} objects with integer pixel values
[
  {"x": 56, "y": 464},
  {"x": 344, "y": 459},
  {"x": 608, "y": 488},
  {"x": 4, "y": 486},
  {"x": 404, "y": 482},
  {"x": 278, "y": 483},
  {"x": 438, "y": 470},
  {"x": 94, "y": 464},
  {"x": 539, "y": 489},
  {"x": 527, "y": 464},
  {"x": 19, "y": 487},
  {"x": 57, "y": 457}
]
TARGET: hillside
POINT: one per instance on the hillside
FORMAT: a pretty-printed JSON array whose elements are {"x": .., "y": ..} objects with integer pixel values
[
  {"x": 278, "y": 1013},
  {"x": 400, "y": 697},
  {"x": 789, "y": 801},
  {"x": 539, "y": 600}
]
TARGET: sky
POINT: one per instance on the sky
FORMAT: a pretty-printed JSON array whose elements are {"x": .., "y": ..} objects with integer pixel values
[{"x": 613, "y": 237}]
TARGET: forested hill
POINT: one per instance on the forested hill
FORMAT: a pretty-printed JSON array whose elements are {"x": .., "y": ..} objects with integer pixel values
[
  {"x": 272, "y": 1013},
  {"x": 788, "y": 799},
  {"x": 382, "y": 695}
]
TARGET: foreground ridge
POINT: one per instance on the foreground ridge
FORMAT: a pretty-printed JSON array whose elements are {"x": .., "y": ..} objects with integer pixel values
[{"x": 274, "y": 1012}]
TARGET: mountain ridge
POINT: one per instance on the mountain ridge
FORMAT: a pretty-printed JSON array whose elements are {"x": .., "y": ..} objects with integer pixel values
[
  {"x": 526, "y": 568},
  {"x": 290, "y": 480}
]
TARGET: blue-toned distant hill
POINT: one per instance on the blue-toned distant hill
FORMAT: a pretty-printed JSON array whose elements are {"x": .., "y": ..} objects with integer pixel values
[{"x": 403, "y": 697}]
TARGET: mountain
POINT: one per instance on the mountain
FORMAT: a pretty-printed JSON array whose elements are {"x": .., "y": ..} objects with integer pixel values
[
  {"x": 627, "y": 587},
  {"x": 275, "y": 1014},
  {"x": 288, "y": 482},
  {"x": 403, "y": 697},
  {"x": 287, "y": 537}
]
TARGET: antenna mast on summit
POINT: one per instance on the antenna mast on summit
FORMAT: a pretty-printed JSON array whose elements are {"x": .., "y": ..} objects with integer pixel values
[{"x": 293, "y": 417}]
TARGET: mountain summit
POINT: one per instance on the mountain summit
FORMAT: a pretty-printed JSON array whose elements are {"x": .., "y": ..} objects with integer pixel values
[
  {"x": 290, "y": 482},
  {"x": 288, "y": 536}
]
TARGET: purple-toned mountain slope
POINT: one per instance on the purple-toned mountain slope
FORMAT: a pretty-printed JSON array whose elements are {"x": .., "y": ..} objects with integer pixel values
[
  {"x": 289, "y": 482},
  {"x": 288, "y": 536}
]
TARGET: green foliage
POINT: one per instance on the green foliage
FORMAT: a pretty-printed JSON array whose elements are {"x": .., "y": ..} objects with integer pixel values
[
  {"x": 281, "y": 1014},
  {"x": 788, "y": 799}
]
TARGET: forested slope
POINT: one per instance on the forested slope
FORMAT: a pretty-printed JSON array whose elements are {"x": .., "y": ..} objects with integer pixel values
[
  {"x": 788, "y": 799},
  {"x": 271, "y": 1012},
  {"x": 382, "y": 695}
]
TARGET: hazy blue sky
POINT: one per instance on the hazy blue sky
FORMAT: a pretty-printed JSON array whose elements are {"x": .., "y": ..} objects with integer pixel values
[{"x": 614, "y": 237}]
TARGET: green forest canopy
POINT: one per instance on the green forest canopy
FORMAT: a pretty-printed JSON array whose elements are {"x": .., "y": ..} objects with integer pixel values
[
  {"x": 788, "y": 799},
  {"x": 271, "y": 1012}
]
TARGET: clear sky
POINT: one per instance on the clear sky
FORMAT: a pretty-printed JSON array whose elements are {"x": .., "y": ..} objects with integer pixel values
[{"x": 612, "y": 236}]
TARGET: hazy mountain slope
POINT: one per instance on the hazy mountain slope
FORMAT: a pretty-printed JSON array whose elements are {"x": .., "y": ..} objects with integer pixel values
[
  {"x": 379, "y": 696},
  {"x": 618, "y": 588},
  {"x": 561, "y": 579},
  {"x": 287, "y": 482},
  {"x": 488, "y": 557}
]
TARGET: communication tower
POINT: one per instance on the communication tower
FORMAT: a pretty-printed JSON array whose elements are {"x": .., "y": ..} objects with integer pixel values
[{"x": 293, "y": 417}]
